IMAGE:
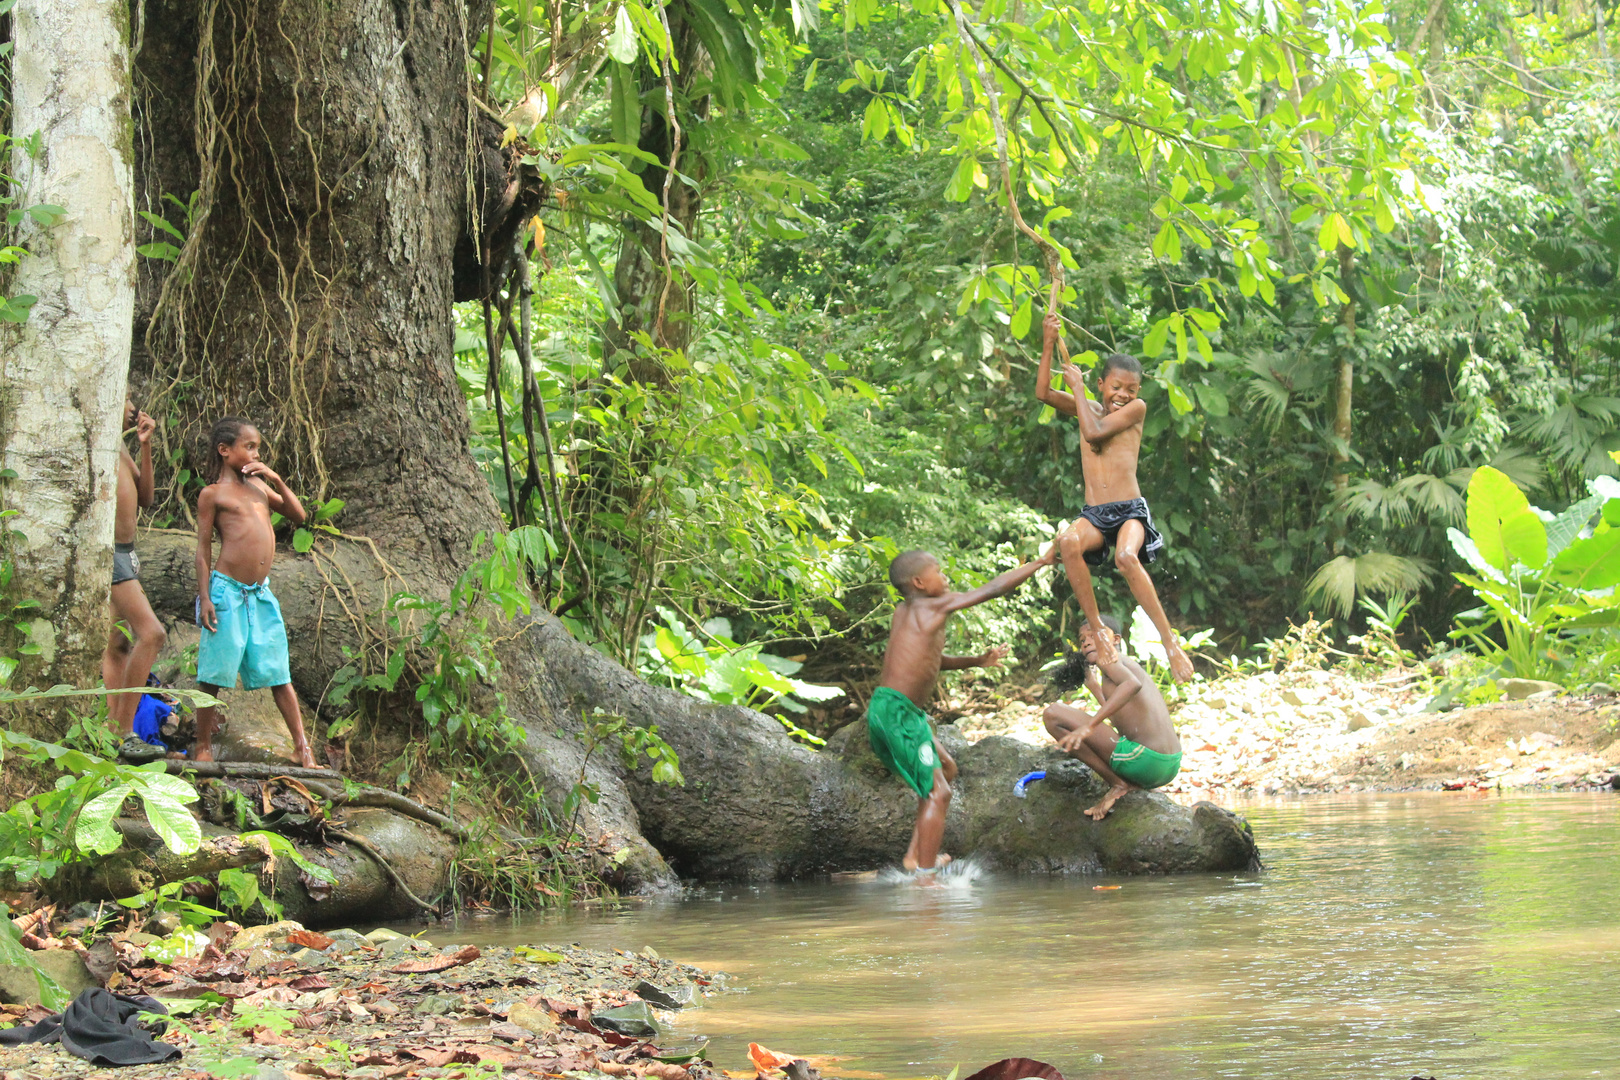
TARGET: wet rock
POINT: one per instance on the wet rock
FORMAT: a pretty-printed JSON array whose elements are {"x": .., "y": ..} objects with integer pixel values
[
  {"x": 382, "y": 934},
  {"x": 533, "y": 1020},
  {"x": 346, "y": 941},
  {"x": 402, "y": 946},
  {"x": 19, "y": 987},
  {"x": 635, "y": 1020},
  {"x": 1600, "y": 689},
  {"x": 437, "y": 1004},
  {"x": 664, "y": 999},
  {"x": 162, "y": 924},
  {"x": 310, "y": 958},
  {"x": 1520, "y": 689},
  {"x": 272, "y": 934}
]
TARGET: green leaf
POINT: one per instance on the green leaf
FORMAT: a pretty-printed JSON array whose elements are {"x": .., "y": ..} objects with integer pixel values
[
  {"x": 94, "y": 830},
  {"x": 622, "y": 42},
  {"x": 1154, "y": 343},
  {"x": 1589, "y": 563},
  {"x": 1501, "y": 523},
  {"x": 303, "y": 540},
  {"x": 174, "y": 824},
  {"x": 1022, "y": 318}
]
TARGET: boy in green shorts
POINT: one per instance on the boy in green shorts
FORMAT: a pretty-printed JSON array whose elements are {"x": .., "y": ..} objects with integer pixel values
[
  {"x": 1141, "y": 749},
  {"x": 896, "y": 724}
]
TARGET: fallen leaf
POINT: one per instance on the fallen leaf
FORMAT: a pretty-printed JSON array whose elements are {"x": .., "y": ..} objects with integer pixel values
[
  {"x": 1017, "y": 1069},
  {"x": 309, "y": 939},
  {"x": 309, "y": 982},
  {"x": 1094, "y": 888},
  {"x": 438, "y": 963},
  {"x": 765, "y": 1060}
]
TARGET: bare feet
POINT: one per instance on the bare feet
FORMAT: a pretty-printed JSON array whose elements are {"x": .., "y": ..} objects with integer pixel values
[
  {"x": 941, "y": 861},
  {"x": 1181, "y": 668},
  {"x": 1100, "y": 811},
  {"x": 202, "y": 753},
  {"x": 303, "y": 757}
]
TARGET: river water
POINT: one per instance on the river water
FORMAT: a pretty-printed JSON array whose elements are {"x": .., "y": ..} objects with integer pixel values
[{"x": 1390, "y": 936}]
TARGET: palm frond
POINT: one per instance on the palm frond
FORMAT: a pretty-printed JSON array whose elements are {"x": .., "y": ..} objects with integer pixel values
[
  {"x": 1439, "y": 501},
  {"x": 1336, "y": 584},
  {"x": 1526, "y": 469},
  {"x": 1367, "y": 499}
]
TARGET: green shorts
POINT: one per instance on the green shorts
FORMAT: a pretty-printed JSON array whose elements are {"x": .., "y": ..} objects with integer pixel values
[
  {"x": 1136, "y": 764},
  {"x": 902, "y": 739}
]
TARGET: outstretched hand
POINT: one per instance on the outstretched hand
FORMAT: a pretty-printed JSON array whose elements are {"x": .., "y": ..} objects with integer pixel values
[
  {"x": 1050, "y": 557},
  {"x": 993, "y": 657}
]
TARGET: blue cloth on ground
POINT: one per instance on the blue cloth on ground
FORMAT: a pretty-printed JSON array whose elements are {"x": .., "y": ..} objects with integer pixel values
[{"x": 149, "y": 717}]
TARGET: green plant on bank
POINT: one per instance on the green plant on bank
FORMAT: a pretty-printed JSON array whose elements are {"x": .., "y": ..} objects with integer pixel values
[
  {"x": 724, "y": 672},
  {"x": 1380, "y": 644},
  {"x": 74, "y": 819},
  {"x": 632, "y": 743},
  {"x": 1546, "y": 583},
  {"x": 447, "y": 647}
]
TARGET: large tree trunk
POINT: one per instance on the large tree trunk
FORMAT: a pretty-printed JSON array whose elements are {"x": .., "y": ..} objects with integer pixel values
[
  {"x": 330, "y": 145},
  {"x": 64, "y": 369}
]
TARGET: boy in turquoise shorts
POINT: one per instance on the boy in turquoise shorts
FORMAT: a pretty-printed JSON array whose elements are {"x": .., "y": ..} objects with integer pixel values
[
  {"x": 896, "y": 724},
  {"x": 242, "y": 629},
  {"x": 1141, "y": 749}
]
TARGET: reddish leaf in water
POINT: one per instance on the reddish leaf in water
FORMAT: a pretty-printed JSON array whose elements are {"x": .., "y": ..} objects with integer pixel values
[
  {"x": 438, "y": 963},
  {"x": 1017, "y": 1069},
  {"x": 309, "y": 939},
  {"x": 765, "y": 1060},
  {"x": 1094, "y": 888}
]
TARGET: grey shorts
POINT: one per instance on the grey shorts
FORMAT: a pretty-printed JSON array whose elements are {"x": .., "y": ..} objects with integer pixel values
[{"x": 126, "y": 564}]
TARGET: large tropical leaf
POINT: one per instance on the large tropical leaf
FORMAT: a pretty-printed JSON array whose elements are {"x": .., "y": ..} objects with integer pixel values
[{"x": 1501, "y": 523}]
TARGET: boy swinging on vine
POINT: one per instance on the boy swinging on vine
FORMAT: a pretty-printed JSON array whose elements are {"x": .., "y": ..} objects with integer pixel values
[{"x": 1115, "y": 511}]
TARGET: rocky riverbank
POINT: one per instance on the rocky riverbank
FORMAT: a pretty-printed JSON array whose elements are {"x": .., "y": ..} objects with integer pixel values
[
  {"x": 1324, "y": 730},
  {"x": 280, "y": 1002}
]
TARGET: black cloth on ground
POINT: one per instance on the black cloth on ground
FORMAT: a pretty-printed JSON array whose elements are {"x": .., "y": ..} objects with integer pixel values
[
  {"x": 1108, "y": 517},
  {"x": 103, "y": 1028}
]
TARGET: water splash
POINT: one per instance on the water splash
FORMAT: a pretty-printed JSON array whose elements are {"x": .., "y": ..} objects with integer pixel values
[{"x": 960, "y": 874}]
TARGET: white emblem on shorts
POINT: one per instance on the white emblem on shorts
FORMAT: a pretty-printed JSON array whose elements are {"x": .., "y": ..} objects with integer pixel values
[{"x": 925, "y": 754}]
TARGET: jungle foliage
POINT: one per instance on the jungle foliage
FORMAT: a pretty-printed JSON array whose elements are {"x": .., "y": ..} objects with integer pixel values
[{"x": 1365, "y": 249}]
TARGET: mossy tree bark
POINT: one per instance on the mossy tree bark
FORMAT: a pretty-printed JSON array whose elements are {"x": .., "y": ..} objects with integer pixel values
[{"x": 64, "y": 369}]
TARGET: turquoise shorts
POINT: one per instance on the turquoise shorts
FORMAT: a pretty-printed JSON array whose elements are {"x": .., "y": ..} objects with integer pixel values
[{"x": 251, "y": 639}]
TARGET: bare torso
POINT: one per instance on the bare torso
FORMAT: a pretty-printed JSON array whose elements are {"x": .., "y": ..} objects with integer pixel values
[
  {"x": 916, "y": 647},
  {"x": 1110, "y": 471},
  {"x": 247, "y": 542},
  {"x": 1144, "y": 719},
  {"x": 129, "y": 505}
]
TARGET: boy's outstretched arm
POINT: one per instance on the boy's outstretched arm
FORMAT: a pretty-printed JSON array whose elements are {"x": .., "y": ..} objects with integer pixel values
[
  {"x": 988, "y": 658},
  {"x": 1060, "y": 400},
  {"x": 998, "y": 586}
]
